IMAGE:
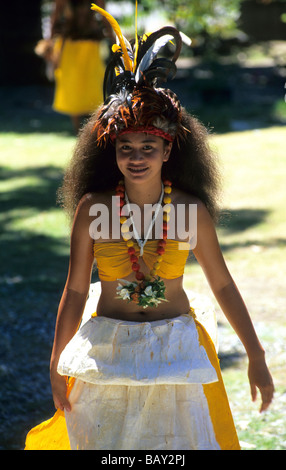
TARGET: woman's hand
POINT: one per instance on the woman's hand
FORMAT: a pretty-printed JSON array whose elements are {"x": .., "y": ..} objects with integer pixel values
[
  {"x": 260, "y": 377},
  {"x": 59, "y": 389}
]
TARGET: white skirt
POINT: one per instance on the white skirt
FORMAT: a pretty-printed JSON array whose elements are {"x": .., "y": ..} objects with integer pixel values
[
  {"x": 152, "y": 417},
  {"x": 139, "y": 386},
  {"x": 142, "y": 386},
  {"x": 106, "y": 351}
]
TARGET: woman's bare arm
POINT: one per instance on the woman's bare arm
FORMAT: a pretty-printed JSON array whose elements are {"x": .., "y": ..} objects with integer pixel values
[
  {"x": 209, "y": 256},
  {"x": 74, "y": 296}
]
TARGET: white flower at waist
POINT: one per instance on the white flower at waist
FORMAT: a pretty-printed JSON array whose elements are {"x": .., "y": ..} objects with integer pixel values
[
  {"x": 145, "y": 293},
  {"x": 148, "y": 291},
  {"x": 124, "y": 293}
]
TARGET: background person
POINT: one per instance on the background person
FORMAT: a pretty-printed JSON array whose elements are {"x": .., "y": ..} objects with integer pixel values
[{"x": 79, "y": 65}]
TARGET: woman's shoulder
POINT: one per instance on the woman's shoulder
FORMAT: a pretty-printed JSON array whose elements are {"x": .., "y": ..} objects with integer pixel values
[
  {"x": 91, "y": 203},
  {"x": 182, "y": 197},
  {"x": 190, "y": 201},
  {"x": 89, "y": 199}
]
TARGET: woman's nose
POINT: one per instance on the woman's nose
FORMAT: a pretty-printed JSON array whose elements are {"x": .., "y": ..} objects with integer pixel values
[{"x": 136, "y": 155}]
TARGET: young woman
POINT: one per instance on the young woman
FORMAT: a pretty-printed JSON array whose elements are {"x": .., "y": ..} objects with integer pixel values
[{"x": 145, "y": 371}]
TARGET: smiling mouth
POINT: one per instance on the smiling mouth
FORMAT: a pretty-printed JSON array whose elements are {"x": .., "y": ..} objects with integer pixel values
[{"x": 137, "y": 170}]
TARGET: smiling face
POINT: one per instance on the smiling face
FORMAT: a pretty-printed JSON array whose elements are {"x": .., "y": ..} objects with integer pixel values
[{"x": 140, "y": 156}]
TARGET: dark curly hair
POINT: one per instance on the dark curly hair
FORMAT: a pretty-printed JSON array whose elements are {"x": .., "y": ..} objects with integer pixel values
[{"x": 192, "y": 166}]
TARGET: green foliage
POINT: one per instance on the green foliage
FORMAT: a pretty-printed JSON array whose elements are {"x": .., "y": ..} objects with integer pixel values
[{"x": 210, "y": 16}]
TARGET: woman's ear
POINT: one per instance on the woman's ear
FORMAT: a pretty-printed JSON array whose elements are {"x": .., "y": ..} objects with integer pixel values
[{"x": 167, "y": 151}]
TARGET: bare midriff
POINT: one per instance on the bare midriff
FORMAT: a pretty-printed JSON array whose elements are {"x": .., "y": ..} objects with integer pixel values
[{"x": 176, "y": 305}]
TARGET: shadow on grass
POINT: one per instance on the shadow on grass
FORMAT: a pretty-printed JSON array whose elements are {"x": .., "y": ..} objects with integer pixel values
[
  {"x": 24, "y": 252},
  {"x": 230, "y": 359},
  {"x": 239, "y": 220},
  {"x": 231, "y": 97},
  {"x": 29, "y": 110},
  {"x": 32, "y": 277},
  {"x": 33, "y": 269},
  {"x": 39, "y": 194}
]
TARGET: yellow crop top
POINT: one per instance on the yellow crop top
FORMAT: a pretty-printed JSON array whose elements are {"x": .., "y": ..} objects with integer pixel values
[{"x": 113, "y": 261}]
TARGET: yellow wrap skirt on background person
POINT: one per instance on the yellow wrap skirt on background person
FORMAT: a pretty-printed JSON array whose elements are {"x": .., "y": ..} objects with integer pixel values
[
  {"x": 78, "y": 77},
  {"x": 147, "y": 386}
]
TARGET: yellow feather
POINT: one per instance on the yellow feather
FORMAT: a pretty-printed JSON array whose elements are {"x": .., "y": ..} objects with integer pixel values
[
  {"x": 136, "y": 37},
  {"x": 117, "y": 30}
]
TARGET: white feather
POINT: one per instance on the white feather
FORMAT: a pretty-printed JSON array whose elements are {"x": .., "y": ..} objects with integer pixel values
[{"x": 186, "y": 39}]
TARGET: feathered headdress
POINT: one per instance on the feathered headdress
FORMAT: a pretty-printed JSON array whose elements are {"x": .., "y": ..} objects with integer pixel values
[{"x": 132, "y": 99}]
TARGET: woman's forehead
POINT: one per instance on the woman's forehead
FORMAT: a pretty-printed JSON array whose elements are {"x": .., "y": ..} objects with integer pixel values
[{"x": 138, "y": 137}]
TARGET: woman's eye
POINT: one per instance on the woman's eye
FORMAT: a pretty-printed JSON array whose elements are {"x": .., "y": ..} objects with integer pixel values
[
  {"x": 129, "y": 148},
  {"x": 125, "y": 147}
]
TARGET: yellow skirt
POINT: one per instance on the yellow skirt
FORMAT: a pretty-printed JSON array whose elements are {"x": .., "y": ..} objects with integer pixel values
[
  {"x": 53, "y": 434},
  {"x": 79, "y": 77}
]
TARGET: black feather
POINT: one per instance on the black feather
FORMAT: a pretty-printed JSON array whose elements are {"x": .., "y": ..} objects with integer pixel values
[{"x": 145, "y": 45}]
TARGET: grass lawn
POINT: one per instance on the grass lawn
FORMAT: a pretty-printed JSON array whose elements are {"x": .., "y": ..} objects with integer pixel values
[
  {"x": 252, "y": 235},
  {"x": 34, "y": 257}
]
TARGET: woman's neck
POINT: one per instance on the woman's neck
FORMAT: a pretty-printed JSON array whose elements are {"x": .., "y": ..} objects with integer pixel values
[{"x": 141, "y": 194}]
